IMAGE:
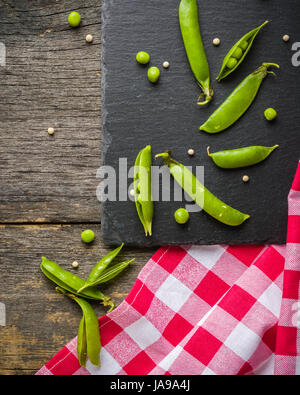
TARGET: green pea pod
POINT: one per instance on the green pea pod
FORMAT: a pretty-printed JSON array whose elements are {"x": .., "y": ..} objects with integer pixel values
[
  {"x": 191, "y": 34},
  {"x": 142, "y": 188},
  {"x": 91, "y": 329},
  {"x": 238, "y": 52},
  {"x": 68, "y": 281},
  {"x": 238, "y": 102},
  {"x": 242, "y": 157},
  {"x": 82, "y": 343},
  {"x": 107, "y": 275},
  {"x": 201, "y": 195},
  {"x": 103, "y": 263}
]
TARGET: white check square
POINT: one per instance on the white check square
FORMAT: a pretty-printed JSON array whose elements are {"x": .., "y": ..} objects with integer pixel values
[
  {"x": 170, "y": 358},
  {"x": 243, "y": 341},
  {"x": 109, "y": 365},
  {"x": 207, "y": 255},
  {"x": 208, "y": 372},
  {"x": 271, "y": 299},
  {"x": 173, "y": 293},
  {"x": 143, "y": 333},
  {"x": 297, "y": 366}
]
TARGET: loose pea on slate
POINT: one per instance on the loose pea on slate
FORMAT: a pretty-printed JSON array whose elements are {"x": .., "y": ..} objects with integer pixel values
[
  {"x": 238, "y": 53},
  {"x": 182, "y": 216},
  {"x": 270, "y": 114}
]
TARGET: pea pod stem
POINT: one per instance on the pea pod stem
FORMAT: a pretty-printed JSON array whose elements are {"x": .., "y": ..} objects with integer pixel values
[
  {"x": 191, "y": 34},
  {"x": 201, "y": 195},
  {"x": 241, "y": 157},
  {"x": 108, "y": 275},
  {"x": 91, "y": 328},
  {"x": 238, "y": 102}
]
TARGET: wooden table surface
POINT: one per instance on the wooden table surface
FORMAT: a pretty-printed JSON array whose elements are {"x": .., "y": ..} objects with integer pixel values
[{"x": 48, "y": 183}]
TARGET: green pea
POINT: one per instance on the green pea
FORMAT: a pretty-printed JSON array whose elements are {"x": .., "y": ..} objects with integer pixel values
[
  {"x": 74, "y": 19},
  {"x": 153, "y": 74},
  {"x": 182, "y": 216},
  {"x": 270, "y": 114},
  {"x": 244, "y": 45},
  {"x": 232, "y": 62},
  {"x": 143, "y": 58},
  {"x": 87, "y": 236},
  {"x": 238, "y": 53}
]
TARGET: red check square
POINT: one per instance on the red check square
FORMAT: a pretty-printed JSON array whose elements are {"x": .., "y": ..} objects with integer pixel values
[
  {"x": 271, "y": 263},
  {"x": 108, "y": 330},
  {"x": 269, "y": 337},
  {"x": 237, "y": 302},
  {"x": 286, "y": 343},
  {"x": 294, "y": 229},
  {"x": 291, "y": 284},
  {"x": 141, "y": 364},
  {"x": 211, "y": 289},
  {"x": 69, "y": 367},
  {"x": 203, "y": 346},
  {"x": 296, "y": 184},
  {"x": 170, "y": 260},
  {"x": 246, "y": 254},
  {"x": 144, "y": 299},
  {"x": 177, "y": 329},
  {"x": 246, "y": 368}
]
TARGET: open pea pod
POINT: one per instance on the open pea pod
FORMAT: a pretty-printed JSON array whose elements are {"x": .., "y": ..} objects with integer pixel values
[
  {"x": 107, "y": 275},
  {"x": 103, "y": 264},
  {"x": 142, "y": 188},
  {"x": 238, "y": 53}
]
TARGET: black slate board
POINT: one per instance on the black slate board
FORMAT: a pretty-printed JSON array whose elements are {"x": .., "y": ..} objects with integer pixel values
[{"x": 137, "y": 113}]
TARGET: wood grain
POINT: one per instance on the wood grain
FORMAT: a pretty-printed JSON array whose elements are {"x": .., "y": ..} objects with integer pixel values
[
  {"x": 40, "y": 321},
  {"x": 48, "y": 184},
  {"x": 52, "y": 79}
]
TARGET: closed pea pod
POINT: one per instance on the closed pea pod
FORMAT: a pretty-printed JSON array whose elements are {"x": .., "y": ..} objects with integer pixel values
[
  {"x": 201, "y": 195},
  {"x": 190, "y": 29},
  {"x": 82, "y": 344},
  {"x": 238, "y": 53},
  {"x": 241, "y": 157},
  {"x": 69, "y": 282},
  {"x": 238, "y": 102},
  {"x": 142, "y": 188},
  {"x": 92, "y": 333}
]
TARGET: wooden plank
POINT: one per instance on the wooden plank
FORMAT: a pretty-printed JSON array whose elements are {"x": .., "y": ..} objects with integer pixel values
[
  {"x": 40, "y": 321},
  {"x": 52, "y": 78}
]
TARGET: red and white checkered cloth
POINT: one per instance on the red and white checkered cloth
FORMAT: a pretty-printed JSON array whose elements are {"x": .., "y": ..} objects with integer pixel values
[{"x": 209, "y": 310}]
